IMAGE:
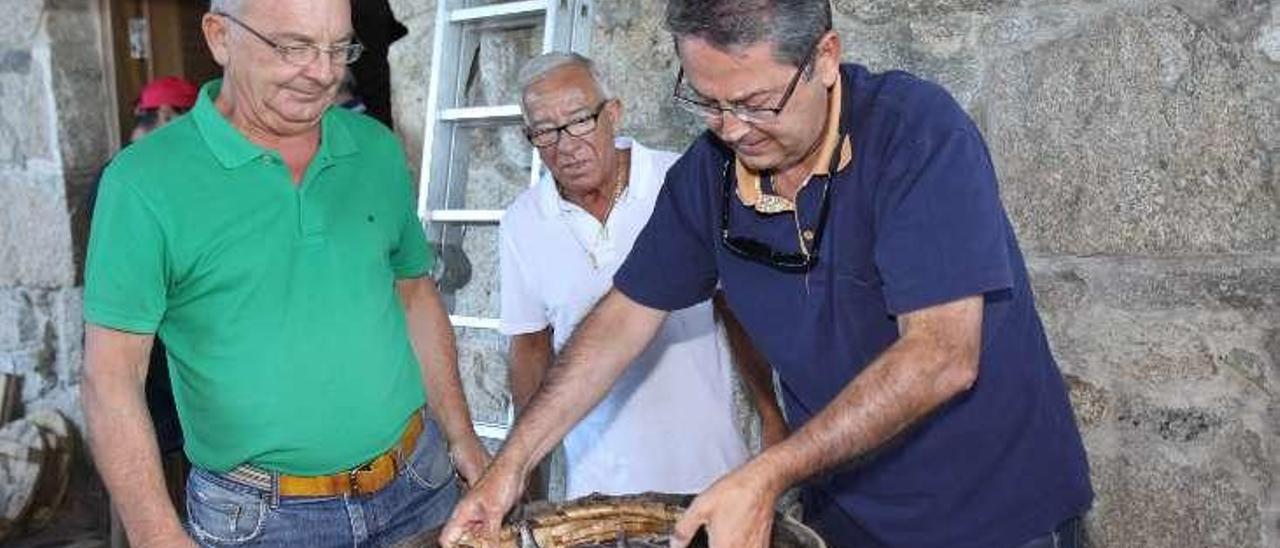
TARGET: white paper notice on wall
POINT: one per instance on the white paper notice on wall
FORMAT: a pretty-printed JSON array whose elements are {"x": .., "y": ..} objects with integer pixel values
[{"x": 139, "y": 37}]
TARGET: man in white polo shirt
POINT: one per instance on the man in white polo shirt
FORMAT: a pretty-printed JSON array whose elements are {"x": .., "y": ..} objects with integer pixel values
[{"x": 668, "y": 424}]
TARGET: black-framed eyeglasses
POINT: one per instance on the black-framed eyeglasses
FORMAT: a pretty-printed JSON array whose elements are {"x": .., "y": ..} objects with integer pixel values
[
  {"x": 301, "y": 55},
  {"x": 577, "y": 127},
  {"x": 689, "y": 99},
  {"x": 760, "y": 252}
]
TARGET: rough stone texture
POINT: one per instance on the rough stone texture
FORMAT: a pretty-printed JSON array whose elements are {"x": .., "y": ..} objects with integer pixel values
[
  {"x": 53, "y": 135},
  {"x": 26, "y": 114},
  {"x": 78, "y": 84},
  {"x": 20, "y": 24},
  {"x": 1172, "y": 366},
  {"x": 484, "y": 374},
  {"x": 642, "y": 74},
  {"x": 410, "y": 59},
  {"x": 35, "y": 239},
  {"x": 41, "y": 339},
  {"x": 1191, "y": 505},
  {"x": 1137, "y": 143},
  {"x": 1137, "y": 134}
]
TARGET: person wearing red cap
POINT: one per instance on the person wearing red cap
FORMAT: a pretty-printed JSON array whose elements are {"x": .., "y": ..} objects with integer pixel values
[{"x": 160, "y": 101}]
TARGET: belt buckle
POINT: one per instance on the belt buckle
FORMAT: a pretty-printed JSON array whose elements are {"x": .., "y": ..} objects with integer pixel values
[{"x": 353, "y": 476}]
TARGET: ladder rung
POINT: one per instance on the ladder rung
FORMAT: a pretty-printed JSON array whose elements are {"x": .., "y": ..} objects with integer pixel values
[
  {"x": 466, "y": 216},
  {"x": 491, "y": 430},
  {"x": 474, "y": 322},
  {"x": 500, "y": 113},
  {"x": 497, "y": 12}
]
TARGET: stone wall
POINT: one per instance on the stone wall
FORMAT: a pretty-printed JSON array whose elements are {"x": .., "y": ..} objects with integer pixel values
[
  {"x": 1137, "y": 143},
  {"x": 54, "y": 136},
  {"x": 53, "y": 139}
]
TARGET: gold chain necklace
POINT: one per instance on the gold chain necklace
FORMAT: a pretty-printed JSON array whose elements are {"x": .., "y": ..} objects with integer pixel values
[
  {"x": 620, "y": 181},
  {"x": 619, "y": 184}
]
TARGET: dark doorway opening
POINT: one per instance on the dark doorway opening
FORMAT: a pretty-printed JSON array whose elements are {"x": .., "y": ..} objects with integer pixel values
[{"x": 377, "y": 28}]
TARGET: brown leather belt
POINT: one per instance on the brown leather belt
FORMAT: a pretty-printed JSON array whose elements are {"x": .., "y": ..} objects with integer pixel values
[{"x": 366, "y": 479}]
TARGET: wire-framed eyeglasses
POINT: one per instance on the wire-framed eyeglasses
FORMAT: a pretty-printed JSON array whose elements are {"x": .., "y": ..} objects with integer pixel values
[
  {"x": 301, "y": 55},
  {"x": 577, "y": 127},
  {"x": 691, "y": 101}
]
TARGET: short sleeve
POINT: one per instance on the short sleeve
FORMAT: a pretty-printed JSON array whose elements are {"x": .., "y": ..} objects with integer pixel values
[
  {"x": 126, "y": 271},
  {"x": 412, "y": 257},
  {"x": 673, "y": 264},
  {"x": 522, "y": 308},
  {"x": 942, "y": 234}
]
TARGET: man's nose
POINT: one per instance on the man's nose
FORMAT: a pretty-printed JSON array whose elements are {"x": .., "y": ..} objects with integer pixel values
[
  {"x": 567, "y": 144},
  {"x": 323, "y": 68},
  {"x": 729, "y": 127}
]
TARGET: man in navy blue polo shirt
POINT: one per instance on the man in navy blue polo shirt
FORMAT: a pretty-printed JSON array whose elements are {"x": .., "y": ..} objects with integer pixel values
[{"x": 854, "y": 222}]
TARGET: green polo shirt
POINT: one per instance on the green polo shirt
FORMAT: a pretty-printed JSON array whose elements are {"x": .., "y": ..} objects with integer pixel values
[{"x": 286, "y": 338}]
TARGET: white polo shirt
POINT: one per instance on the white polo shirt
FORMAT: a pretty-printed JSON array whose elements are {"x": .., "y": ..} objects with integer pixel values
[{"x": 667, "y": 425}]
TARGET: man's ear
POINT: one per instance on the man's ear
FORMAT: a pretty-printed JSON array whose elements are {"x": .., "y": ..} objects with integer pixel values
[
  {"x": 215, "y": 35},
  {"x": 614, "y": 111},
  {"x": 827, "y": 58}
]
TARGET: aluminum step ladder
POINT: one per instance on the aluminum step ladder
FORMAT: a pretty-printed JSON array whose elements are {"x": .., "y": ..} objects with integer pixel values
[{"x": 460, "y": 30}]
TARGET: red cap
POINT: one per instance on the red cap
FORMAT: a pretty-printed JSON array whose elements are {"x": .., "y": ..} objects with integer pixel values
[{"x": 170, "y": 91}]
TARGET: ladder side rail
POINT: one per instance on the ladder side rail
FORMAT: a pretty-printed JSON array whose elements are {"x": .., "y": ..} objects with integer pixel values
[
  {"x": 452, "y": 187},
  {"x": 580, "y": 26},
  {"x": 553, "y": 30},
  {"x": 435, "y": 135},
  {"x": 551, "y": 24}
]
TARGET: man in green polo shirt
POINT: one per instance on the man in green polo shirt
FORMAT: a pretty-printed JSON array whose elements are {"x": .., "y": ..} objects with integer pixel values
[{"x": 271, "y": 241}]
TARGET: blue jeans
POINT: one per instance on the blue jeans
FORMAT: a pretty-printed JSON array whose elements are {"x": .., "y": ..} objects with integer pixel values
[{"x": 222, "y": 512}]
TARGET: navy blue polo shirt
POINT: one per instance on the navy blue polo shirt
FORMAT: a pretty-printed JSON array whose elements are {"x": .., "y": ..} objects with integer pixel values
[{"x": 915, "y": 220}]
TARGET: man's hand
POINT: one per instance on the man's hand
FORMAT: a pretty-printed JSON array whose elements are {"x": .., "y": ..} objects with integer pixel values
[
  {"x": 470, "y": 458},
  {"x": 737, "y": 511},
  {"x": 610, "y": 337},
  {"x": 478, "y": 516}
]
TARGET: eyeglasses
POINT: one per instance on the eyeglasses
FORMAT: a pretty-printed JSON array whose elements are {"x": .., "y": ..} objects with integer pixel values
[
  {"x": 577, "y": 127},
  {"x": 691, "y": 101},
  {"x": 301, "y": 55},
  {"x": 760, "y": 252}
]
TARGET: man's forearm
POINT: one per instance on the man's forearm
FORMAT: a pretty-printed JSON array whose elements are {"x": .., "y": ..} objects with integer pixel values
[
  {"x": 907, "y": 382},
  {"x": 751, "y": 365},
  {"x": 610, "y": 337},
  {"x": 128, "y": 459},
  {"x": 443, "y": 384},
  {"x": 524, "y": 384},
  {"x": 431, "y": 336},
  {"x": 531, "y": 357}
]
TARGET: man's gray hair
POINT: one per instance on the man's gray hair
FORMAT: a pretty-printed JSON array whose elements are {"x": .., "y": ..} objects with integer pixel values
[
  {"x": 232, "y": 7},
  {"x": 538, "y": 67},
  {"x": 794, "y": 26}
]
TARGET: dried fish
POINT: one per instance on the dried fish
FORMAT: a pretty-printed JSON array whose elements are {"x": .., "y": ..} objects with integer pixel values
[{"x": 629, "y": 521}]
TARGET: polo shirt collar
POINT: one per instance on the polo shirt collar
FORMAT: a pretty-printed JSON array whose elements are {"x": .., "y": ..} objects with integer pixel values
[
  {"x": 335, "y": 137},
  {"x": 750, "y": 187},
  {"x": 233, "y": 149},
  {"x": 552, "y": 204}
]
